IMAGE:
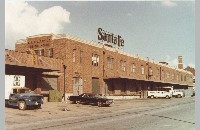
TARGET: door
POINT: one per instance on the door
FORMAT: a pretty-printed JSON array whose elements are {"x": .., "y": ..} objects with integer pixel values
[
  {"x": 77, "y": 86},
  {"x": 123, "y": 86},
  {"x": 95, "y": 85}
]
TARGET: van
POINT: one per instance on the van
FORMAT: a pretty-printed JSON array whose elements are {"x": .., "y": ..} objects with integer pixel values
[{"x": 159, "y": 94}]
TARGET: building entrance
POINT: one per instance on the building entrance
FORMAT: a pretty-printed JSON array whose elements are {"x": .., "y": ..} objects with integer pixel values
[
  {"x": 95, "y": 85},
  {"x": 77, "y": 86}
]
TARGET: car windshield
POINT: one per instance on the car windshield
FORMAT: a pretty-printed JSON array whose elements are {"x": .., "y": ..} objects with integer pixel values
[
  {"x": 91, "y": 95},
  {"x": 96, "y": 95}
]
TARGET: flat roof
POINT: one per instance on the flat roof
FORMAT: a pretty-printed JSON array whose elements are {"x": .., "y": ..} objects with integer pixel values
[
  {"x": 39, "y": 35},
  {"x": 98, "y": 45}
]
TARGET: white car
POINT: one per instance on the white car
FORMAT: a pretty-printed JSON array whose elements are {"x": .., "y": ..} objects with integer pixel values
[{"x": 159, "y": 94}]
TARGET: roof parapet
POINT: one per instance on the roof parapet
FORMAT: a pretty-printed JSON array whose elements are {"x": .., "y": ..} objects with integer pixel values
[
  {"x": 93, "y": 43},
  {"x": 21, "y": 41}
]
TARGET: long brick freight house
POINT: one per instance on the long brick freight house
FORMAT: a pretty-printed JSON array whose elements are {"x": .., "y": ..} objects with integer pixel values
[{"x": 98, "y": 68}]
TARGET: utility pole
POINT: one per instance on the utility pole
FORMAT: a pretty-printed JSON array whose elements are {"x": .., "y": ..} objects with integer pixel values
[
  {"x": 148, "y": 68},
  {"x": 64, "y": 67}
]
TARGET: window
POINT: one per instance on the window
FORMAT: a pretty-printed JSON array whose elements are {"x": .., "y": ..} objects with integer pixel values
[
  {"x": 177, "y": 77},
  {"x": 168, "y": 74},
  {"x": 172, "y": 76},
  {"x": 133, "y": 67},
  {"x": 163, "y": 73},
  {"x": 36, "y": 52},
  {"x": 74, "y": 55},
  {"x": 110, "y": 62},
  {"x": 142, "y": 69},
  {"x": 81, "y": 56},
  {"x": 123, "y": 65},
  {"x": 95, "y": 59},
  {"x": 51, "y": 52},
  {"x": 42, "y": 52},
  {"x": 150, "y": 71}
]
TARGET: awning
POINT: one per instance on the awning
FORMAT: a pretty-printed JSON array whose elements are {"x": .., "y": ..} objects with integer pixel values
[{"x": 151, "y": 81}]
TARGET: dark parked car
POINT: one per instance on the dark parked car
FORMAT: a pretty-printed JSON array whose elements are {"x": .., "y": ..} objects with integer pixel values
[
  {"x": 24, "y": 100},
  {"x": 89, "y": 98}
]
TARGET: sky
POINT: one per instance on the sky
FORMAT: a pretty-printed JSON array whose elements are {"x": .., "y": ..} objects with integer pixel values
[{"x": 159, "y": 30}]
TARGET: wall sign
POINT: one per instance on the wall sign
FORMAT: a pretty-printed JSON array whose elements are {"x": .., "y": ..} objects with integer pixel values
[
  {"x": 110, "y": 37},
  {"x": 16, "y": 81}
]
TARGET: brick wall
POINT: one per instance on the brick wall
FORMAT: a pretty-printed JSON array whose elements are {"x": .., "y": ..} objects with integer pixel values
[{"x": 64, "y": 48}]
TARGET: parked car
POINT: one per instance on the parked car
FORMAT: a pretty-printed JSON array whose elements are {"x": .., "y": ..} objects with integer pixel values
[
  {"x": 159, "y": 94},
  {"x": 25, "y": 100},
  {"x": 89, "y": 98},
  {"x": 176, "y": 93}
]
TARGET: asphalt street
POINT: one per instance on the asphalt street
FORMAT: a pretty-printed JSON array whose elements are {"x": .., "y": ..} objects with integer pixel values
[
  {"x": 154, "y": 114},
  {"x": 175, "y": 117}
]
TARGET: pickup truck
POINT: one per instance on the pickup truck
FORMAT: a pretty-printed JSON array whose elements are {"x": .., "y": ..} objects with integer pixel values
[
  {"x": 24, "y": 100},
  {"x": 176, "y": 93},
  {"x": 89, "y": 98}
]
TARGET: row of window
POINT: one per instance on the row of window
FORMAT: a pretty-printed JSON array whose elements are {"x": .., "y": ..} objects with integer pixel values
[
  {"x": 173, "y": 77},
  {"x": 110, "y": 65},
  {"x": 41, "y": 52}
]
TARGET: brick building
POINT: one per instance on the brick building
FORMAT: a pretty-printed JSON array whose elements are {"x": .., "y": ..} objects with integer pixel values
[
  {"x": 192, "y": 70},
  {"x": 99, "y": 68}
]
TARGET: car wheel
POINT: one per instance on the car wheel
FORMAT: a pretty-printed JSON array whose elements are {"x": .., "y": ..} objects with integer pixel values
[
  {"x": 99, "y": 104},
  {"x": 22, "y": 105},
  {"x": 77, "y": 102},
  {"x": 6, "y": 103},
  {"x": 152, "y": 96},
  {"x": 167, "y": 97},
  {"x": 39, "y": 106},
  {"x": 178, "y": 96},
  {"x": 107, "y": 105}
]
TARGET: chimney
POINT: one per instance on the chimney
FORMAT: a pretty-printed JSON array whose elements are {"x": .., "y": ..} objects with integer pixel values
[{"x": 180, "y": 62}]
